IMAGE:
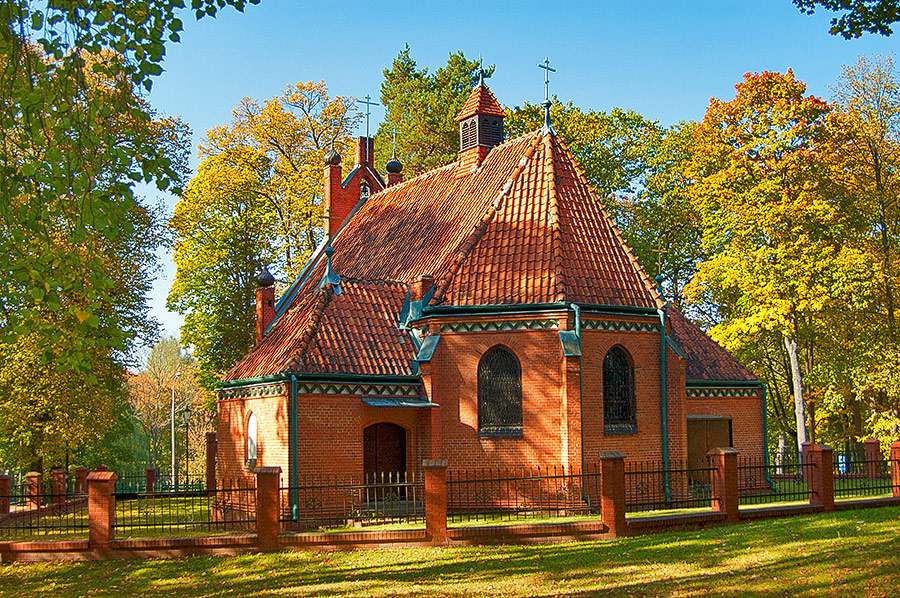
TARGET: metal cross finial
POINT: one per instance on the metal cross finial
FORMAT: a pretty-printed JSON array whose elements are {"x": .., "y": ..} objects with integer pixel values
[
  {"x": 394, "y": 148},
  {"x": 368, "y": 102},
  {"x": 547, "y": 70}
]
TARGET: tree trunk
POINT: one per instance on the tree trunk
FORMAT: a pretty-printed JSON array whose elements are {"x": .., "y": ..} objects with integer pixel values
[{"x": 797, "y": 382}]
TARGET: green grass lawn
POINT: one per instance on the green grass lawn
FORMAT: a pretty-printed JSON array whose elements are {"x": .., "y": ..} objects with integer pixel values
[{"x": 852, "y": 553}]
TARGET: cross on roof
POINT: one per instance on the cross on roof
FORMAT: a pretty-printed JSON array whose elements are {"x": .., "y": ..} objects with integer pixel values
[
  {"x": 368, "y": 102},
  {"x": 394, "y": 148},
  {"x": 547, "y": 70}
]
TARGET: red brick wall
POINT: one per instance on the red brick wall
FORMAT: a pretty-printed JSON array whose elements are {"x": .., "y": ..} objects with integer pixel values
[{"x": 272, "y": 426}]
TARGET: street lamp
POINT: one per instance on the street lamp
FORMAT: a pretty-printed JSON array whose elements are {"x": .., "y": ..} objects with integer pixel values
[
  {"x": 172, "y": 439},
  {"x": 187, "y": 419}
]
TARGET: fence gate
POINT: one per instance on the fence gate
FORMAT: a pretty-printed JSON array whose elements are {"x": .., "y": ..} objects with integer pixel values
[{"x": 703, "y": 434}]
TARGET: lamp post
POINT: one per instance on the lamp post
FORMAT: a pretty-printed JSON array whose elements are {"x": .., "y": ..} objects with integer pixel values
[
  {"x": 172, "y": 438},
  {"x": 187, "y": 420}
]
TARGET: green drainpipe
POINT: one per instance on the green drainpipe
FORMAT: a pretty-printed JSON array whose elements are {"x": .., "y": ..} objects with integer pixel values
[
  {"x": 577, "y": 311},
  {"x": 295, "y": 509},
  {"x": 664, "y": 401}
]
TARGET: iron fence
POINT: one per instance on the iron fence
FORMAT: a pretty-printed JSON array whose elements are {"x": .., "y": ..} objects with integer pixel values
[
  {"x": 783, "y": 480},
  {"x": 47, "y": 515},
  {"x": 651, "y": 487},
  {"x": 319, "y": 502},
  {"x": 230, "y": 508},
  {"x": 522, "y": 493},
  {"x": 858, "y": 476}
]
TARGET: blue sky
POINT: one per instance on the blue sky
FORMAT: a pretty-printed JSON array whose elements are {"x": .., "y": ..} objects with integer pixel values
[{"x": 663, "y": 59}]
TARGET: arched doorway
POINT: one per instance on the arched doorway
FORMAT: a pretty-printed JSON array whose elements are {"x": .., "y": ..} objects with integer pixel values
[{"x": 384, "y": 451}]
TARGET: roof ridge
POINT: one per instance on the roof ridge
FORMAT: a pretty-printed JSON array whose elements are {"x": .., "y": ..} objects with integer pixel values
[
  {"x": 312, "y": 324},
  {"x": 466, "y": 247},
  {"x": 373, "y": 281},
  {"x": 632, "y": 259},
  {"x": 556, "y": 271}
]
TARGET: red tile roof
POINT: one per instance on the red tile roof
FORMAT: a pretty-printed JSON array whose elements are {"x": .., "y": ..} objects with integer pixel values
[
  {"x": 523, "y": 227},
  {"x": 706, "y": 359},
  {"x": 354, "y": 332},
  {"x": 480, "y": 101}
]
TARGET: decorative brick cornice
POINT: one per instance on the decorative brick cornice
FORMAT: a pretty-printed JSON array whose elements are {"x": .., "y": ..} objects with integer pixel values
[
  {"x": 709, "y": 392},
  {"x": 252, "y": 392},
  {"x": 500, "y": 326},
  {"x": 619, "y": 326},
  {"x": 369, "y": 390}
]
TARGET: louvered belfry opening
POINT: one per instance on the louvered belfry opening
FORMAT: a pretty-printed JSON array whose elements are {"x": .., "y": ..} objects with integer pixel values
[
  {"x": 619, "y": 410},
  {"x": 499, "y": 394},
  {"x": 468, "y": 133}
]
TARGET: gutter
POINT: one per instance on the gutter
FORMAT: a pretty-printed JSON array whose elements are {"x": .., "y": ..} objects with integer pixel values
[
  {"x": 577, "y": 311},
  {"x": 765, "y": 415},
  {"x": 313, "y": 377},
  {"x": 534, "y": 307}
]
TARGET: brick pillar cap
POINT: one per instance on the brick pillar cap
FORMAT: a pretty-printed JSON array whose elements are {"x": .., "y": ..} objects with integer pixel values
[
  {"x": 434, "y": 463},
  {"x": 58, "y": 470},
  {"x": 895, "y": 444},
  {"x": 149, "y": 469},
  {"x": 80, "y": 468},
  {"x": 102, "y": 476},
  {"x": 32, "y": 474},
  {"x": 820, "y": 447},
  {"x": 606, "y": 455},
  {"x": 723, "y": 450},
  {"x": 4, "y": 476},
  {"x": 269, "y": 470},
  {"x": 870, "y": 441}
]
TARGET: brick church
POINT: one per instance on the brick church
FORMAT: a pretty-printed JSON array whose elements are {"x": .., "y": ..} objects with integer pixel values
[{"x": 488, "y": 313}]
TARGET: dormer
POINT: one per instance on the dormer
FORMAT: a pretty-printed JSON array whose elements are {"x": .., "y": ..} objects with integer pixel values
[{"x": 480, "y": 126}]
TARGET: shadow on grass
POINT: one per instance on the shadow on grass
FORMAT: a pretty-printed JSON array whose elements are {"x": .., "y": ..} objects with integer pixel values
[{"x": 847, "y": 553}]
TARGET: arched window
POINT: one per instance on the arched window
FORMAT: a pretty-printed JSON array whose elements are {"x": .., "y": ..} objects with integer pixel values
[
  {"x": 499, "y": 394},
  {"x": 251, "y": 439},
  {"x": 619, "y": 410}
]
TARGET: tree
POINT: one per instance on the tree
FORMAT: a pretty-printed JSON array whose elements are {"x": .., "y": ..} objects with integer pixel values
[
  {"x": 868, "y": 96},
  {"x": 167, "y": 370},
  {"x": 422, "y": 107},
  {"x": 778, "y": 225},
  {"x": 76, "y": 245},
  {"x": 254, "y": 202},
  {"x": 861, "y": 16}
]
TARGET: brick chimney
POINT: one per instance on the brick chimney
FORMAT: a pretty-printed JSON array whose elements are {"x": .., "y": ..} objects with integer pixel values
[
  {"x": 331, "y": 200},
  {"x": 420, "y": 286},
  {"x": 395, "y": 171},
  {"x": 265, "y": 303},
  {"x": 365, "y": 151}
]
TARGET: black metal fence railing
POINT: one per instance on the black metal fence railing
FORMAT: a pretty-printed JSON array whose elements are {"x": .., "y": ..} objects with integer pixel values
[
  {"x": 522, "y": 493},
  {"x": 320, "y": 502},
  {"x": 651, "y": 487},
  {"x": 783, "y": 481},
  {"x": 859, "y": 476},
  {"x": 47, "y": 515},
  {"x": 231, "y": 508}
]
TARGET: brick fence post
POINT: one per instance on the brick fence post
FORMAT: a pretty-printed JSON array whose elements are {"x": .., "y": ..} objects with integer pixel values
[
  {"x": 33, "y": 481},
  {"x": 5, "y": 488},
  {"x": 873, "y": 458},
  {"x": 211, "y": 448},
  {"x": 724, "y": 482},
  {"x": 81, "y": 474},
  {"x": 149, "y": 479},
  {"x": 612, "y": 491},
  {"x": 59, "y": 485},
  {"x": 821, "y": 476},
  {"x": 895, "y": 467},
  {"x": 268, "y": 507},
  {"x": 436, "y": 500},
  {"x": 101, "y": 508}
]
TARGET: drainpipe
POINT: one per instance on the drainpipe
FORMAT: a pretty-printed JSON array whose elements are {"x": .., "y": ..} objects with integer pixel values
[
  {"x": 664, "y": 400},
  {"x": 293, "y": 433},
  {"x": 577, "y": 311}
]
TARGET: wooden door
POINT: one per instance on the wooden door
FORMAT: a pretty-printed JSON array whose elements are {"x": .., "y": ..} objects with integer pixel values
[
  {"x": 704, "y": 435},
  {"x": 384, "y": 451}
]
